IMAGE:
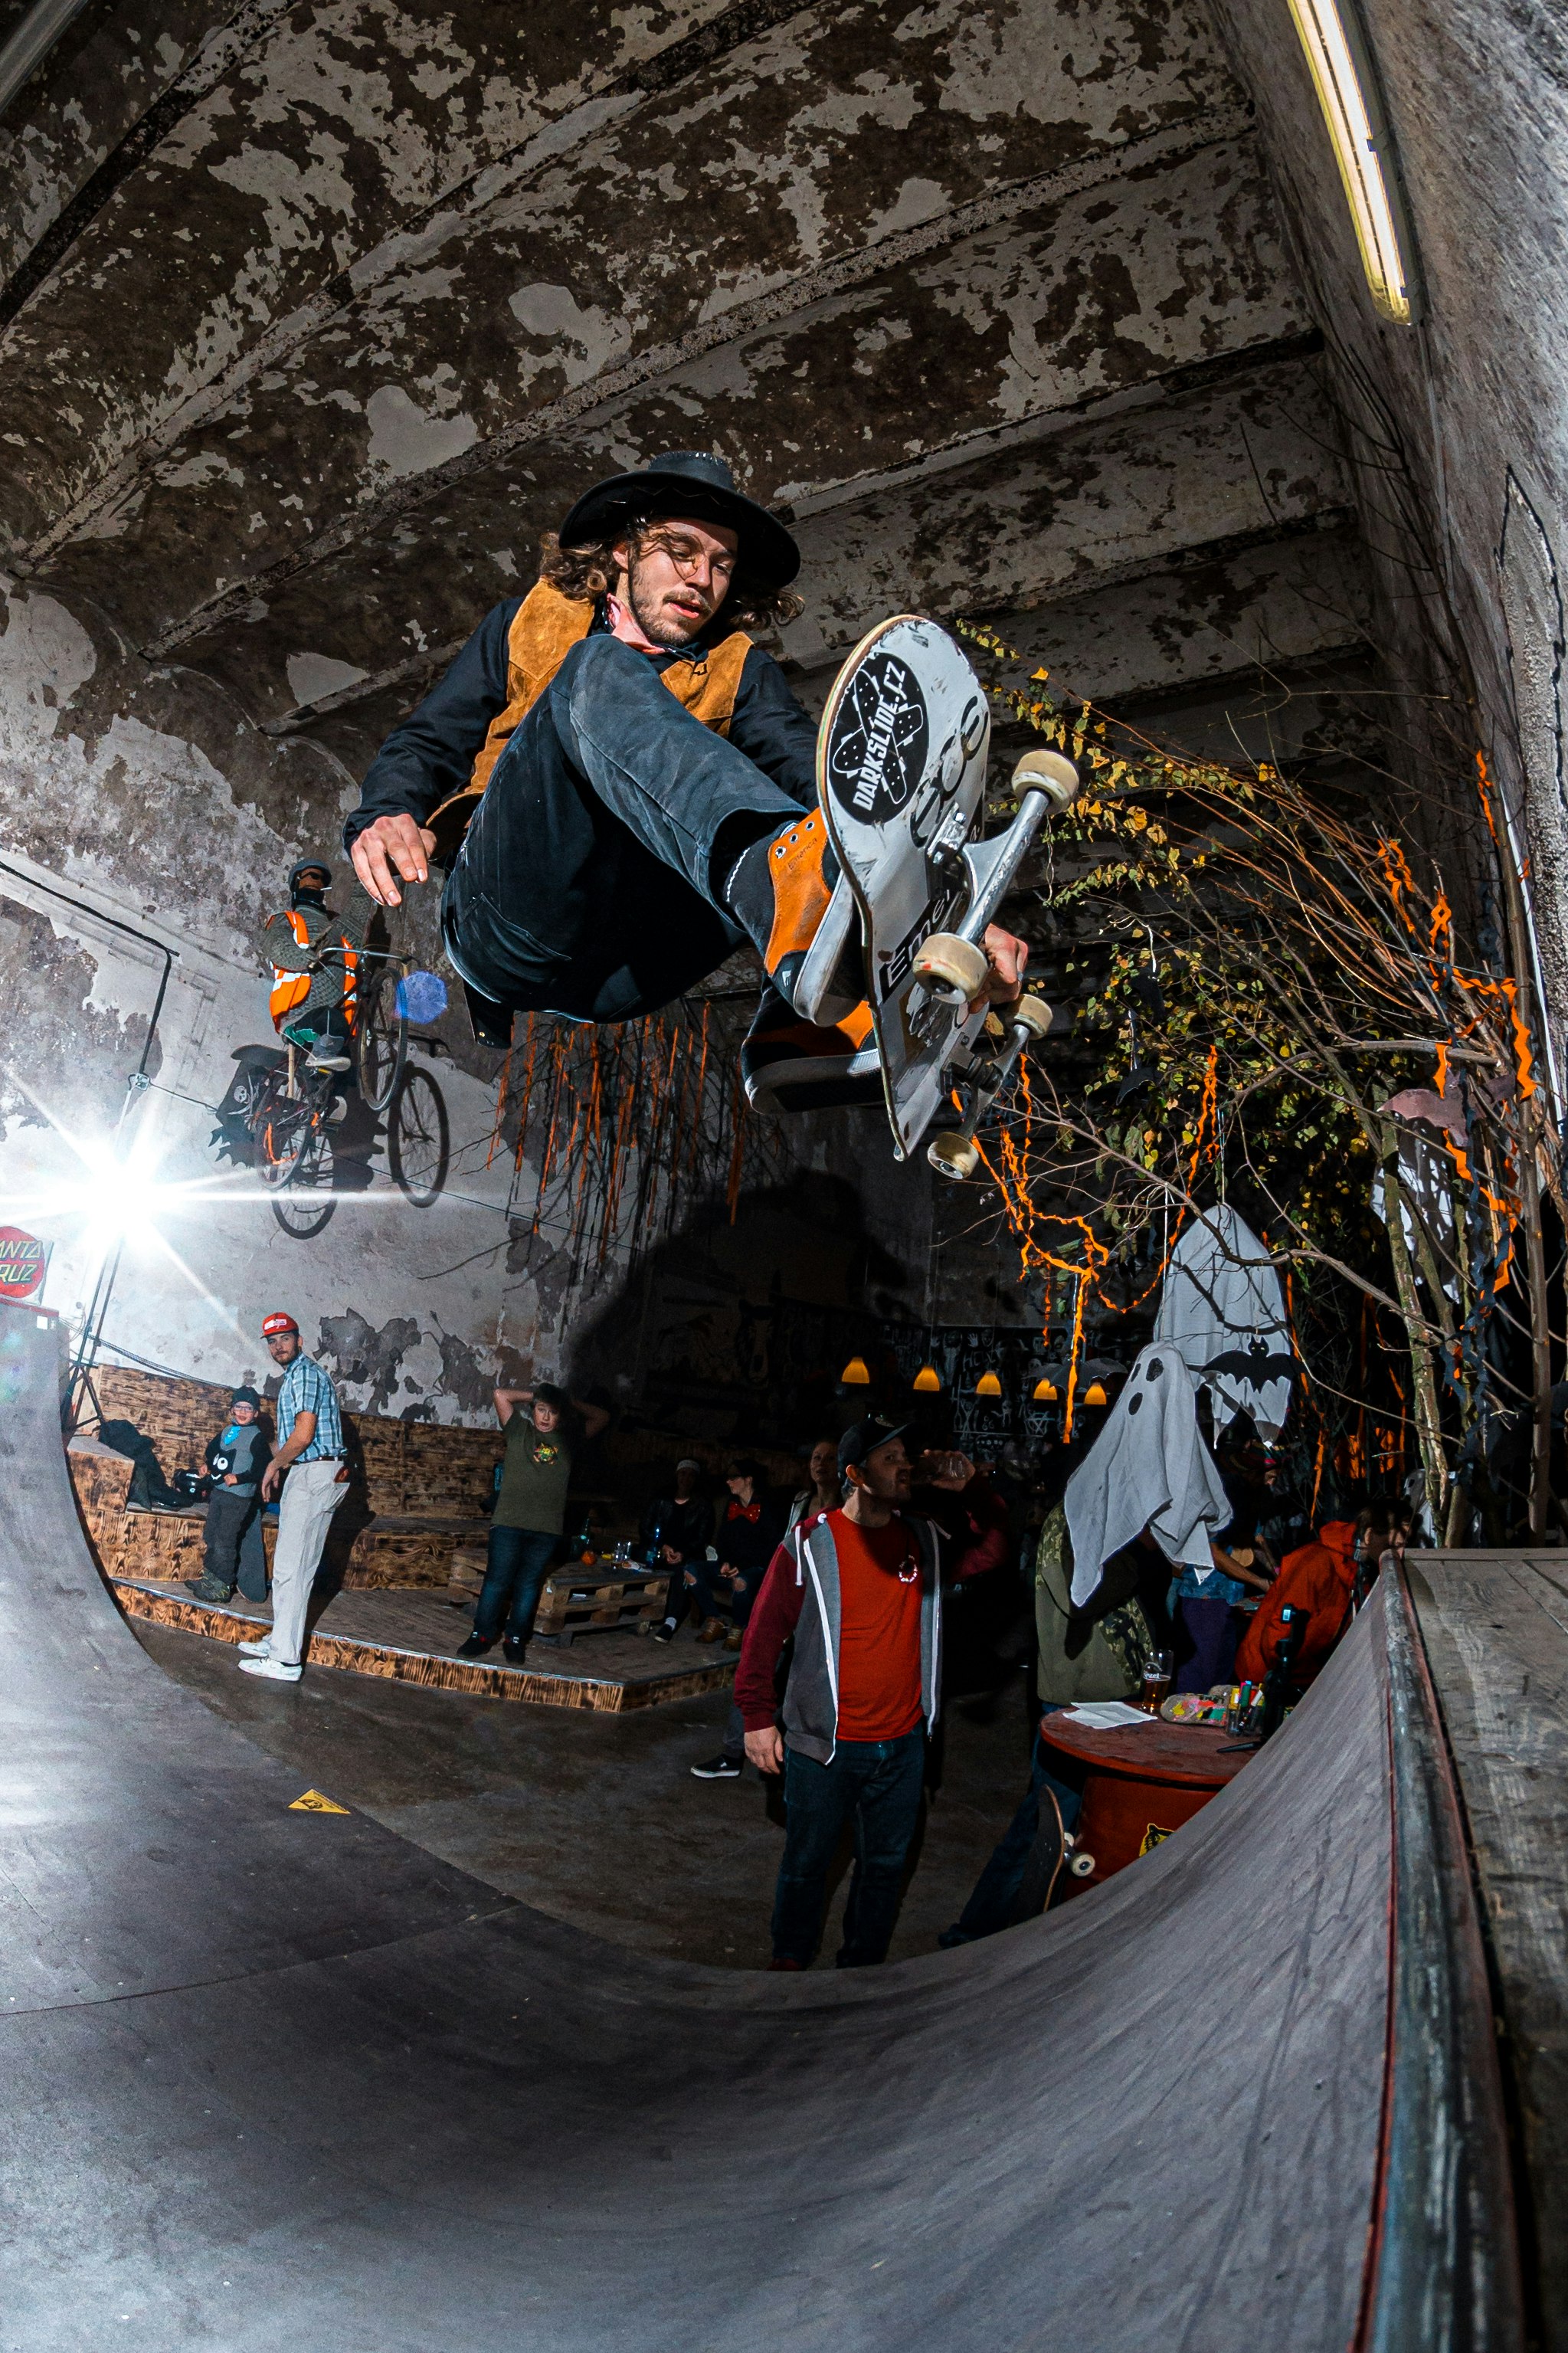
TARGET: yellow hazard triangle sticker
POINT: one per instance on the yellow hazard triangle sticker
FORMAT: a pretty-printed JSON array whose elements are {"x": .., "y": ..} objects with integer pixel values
[{"x": 313, "y": 1802}]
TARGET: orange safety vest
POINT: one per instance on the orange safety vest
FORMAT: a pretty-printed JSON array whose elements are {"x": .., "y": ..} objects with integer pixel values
[
  {"x": 290, "y": 989},
  {"x": 544, "y": 629}
]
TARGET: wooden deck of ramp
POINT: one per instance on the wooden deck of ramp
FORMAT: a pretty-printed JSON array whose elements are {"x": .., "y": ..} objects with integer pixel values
[
  {"x": 407, "y": 1635},
  {"x": 278, "y": 2079}
]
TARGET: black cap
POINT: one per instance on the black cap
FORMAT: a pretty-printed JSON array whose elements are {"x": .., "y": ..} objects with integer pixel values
[
  {"x": 246, "y": 1397},
  {"x": 863, "y": 1438},
  {"x": 687, "y": 482}
]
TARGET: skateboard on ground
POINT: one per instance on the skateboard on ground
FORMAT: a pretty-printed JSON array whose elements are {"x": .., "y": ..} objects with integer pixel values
[
  {"x": 900, "y": 779},
  {"x": 1053, "y": 1847}
]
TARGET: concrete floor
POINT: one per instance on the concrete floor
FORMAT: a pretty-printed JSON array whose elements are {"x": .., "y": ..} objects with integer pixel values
[{"x": 596, "y": 1819}]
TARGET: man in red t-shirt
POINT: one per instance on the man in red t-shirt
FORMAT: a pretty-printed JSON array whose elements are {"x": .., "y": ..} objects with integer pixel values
[{"x": 859, "y": 1588}]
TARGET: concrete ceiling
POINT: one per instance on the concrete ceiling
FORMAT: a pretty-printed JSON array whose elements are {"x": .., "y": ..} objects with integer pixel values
[{"x": 317, "y": 316}]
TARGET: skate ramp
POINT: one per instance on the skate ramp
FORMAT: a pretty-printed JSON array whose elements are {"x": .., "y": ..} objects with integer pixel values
[{"x": 279, "y": 2081}]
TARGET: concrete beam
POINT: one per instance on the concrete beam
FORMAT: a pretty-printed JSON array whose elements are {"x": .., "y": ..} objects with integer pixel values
[
  {"x": 923, "y": 370},
  {"x": 807, "y": 141}
]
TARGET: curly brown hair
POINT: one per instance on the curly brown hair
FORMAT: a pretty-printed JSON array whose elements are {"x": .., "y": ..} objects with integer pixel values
[{"x": 585, "y": 573}]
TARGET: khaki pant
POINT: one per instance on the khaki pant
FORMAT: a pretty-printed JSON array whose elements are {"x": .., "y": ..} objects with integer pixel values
[{"x": 311, "y": 1494}]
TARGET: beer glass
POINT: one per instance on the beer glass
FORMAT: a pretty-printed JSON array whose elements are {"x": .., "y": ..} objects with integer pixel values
[{"x": 1158, "y": 1666}]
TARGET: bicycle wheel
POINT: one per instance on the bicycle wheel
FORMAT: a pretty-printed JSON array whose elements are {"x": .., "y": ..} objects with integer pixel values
[
  {"x": 420, "y": 1140},
  {"x": 282, "y": 1128},
  {"x": 305, "y": 1202},
  {"x": 382, "y": 1035}
]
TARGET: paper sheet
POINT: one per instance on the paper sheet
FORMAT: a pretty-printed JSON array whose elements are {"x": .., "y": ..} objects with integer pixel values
[{"x": 1106, "y": 1714}]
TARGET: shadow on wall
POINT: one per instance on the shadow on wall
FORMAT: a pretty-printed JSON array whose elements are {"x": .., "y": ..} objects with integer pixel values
[{"x": 739, "y": 1332}]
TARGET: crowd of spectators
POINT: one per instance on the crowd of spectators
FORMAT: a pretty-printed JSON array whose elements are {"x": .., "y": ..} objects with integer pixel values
[
  {"x": 892, "y": 1576},
  {"x": 899, "y": 1576}
]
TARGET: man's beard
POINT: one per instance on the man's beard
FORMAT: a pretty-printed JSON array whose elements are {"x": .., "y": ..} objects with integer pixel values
[{"x": 661, "y": 628}]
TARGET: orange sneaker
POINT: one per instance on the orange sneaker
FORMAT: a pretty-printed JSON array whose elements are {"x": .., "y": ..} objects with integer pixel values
[
  {"x": 792, "y": 1064},
  {"x": 790, "y": 895}
]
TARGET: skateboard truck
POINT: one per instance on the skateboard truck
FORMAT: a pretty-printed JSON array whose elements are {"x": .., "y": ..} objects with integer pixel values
[
  {"x": 955, "y": 1152},
  {"x": 953, "y": 965}
]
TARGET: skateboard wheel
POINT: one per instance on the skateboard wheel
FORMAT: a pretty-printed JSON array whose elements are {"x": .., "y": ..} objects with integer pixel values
[
  {"x": 957, "y": 964},
  {"x": 1051, "y": 772},
  {"x": 954, "y": 1156},
  {"x": 1081, "y": 1866},
  {"x": 1031, "y": 1014}
]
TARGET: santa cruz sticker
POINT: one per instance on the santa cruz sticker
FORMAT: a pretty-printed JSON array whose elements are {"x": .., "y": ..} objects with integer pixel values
[
  {"x": 24, "y": 1261},
  {"x": 880, "y": 738}
]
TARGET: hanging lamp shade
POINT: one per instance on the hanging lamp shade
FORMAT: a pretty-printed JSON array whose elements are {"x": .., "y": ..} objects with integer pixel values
[
  {"x": 988, "y": 1386},
  {"x": 857, "y": 1374},
  {"x": 1095, "y": 1393},
  {"x": 1046, "y": 1390},
  {"x": 927, "y": 1380}
]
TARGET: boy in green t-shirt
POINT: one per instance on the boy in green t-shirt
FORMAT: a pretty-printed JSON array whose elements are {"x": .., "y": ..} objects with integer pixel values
[{"x": 529, "y": 1516}]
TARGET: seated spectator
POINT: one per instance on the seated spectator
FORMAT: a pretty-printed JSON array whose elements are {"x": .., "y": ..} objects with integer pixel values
[
  {"x": 1111, "y": 1666},
  {"x": 746, "y": 1540},
  {"x": 824, "y": 1494},
  {"x": 677, "y": 1529},
  {"x": 529, "y": 1516},
  {"x": 1207, "y": 1612},
  {"x": 860, "y": 1591},
  {"x": 1321, "y": 1579},
  {"x": 236, "y": 1460},
  {"x": 1206, "y": 1601}
]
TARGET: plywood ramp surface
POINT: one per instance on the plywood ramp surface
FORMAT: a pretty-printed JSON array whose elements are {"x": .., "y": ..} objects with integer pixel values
[{"x": 278, "y": 2080}]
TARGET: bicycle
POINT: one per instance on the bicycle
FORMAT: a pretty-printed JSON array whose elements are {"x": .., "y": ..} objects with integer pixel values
[{"x": 293, "y": 1109}]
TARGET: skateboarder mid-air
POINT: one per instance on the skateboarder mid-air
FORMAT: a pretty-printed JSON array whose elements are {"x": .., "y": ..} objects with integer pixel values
[{"x": 622, "y": 789}]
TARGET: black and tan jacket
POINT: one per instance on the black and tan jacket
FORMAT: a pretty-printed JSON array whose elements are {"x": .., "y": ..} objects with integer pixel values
[{"x": 438, "y": 762}]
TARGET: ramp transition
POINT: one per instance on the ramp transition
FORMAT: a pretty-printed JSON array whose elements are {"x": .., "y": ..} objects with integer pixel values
[{"x": 280, "y": 2080}]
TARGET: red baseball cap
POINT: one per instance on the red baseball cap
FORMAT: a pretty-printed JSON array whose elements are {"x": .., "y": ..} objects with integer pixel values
[{"x": 277, "y": 1321}]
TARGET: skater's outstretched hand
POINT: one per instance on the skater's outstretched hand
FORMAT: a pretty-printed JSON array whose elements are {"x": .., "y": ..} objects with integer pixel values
[
  {"x": 1005, "y": 984},
  {"x": 393, "y": 841}
]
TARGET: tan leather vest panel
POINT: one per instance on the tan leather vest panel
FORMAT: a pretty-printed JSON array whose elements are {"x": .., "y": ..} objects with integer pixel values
[{"x": 545, "y": 628}]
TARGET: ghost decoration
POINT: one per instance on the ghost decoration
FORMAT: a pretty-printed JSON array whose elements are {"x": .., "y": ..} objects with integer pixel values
[
  {"x": 1223, "y": 1309},
  {"x": 1148, "y": 1467}
]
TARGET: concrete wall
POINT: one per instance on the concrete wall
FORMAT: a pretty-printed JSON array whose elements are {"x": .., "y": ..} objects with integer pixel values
[{"x": 308, "y": 329}]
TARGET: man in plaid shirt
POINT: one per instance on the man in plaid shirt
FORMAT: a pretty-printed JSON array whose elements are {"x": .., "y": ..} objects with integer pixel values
[{"x": 310, "y": 1458}]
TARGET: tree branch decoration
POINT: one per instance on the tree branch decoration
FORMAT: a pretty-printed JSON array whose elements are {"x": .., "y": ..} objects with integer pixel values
[{"x": 1278, "y": 1002}]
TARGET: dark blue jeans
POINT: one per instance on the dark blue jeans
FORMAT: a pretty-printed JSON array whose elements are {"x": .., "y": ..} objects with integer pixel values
[
  {"x": 990, "y": 1906},
  {"x": 878, "y": 1783},
  {"x": 716, "y": 1597},
  {"x": 584, "y": 884},
  {"x": 1214, "y": 1630},
  {"x": 517, "y": 1564}
]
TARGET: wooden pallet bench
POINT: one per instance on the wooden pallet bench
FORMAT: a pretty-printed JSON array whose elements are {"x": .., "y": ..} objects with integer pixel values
[{"x": 577, "y": 1600}]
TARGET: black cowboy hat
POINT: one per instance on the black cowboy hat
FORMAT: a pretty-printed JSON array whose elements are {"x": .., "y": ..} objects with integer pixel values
[{"x": 687, "y": 482}]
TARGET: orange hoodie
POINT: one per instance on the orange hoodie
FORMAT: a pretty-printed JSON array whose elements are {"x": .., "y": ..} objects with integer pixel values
[{"x": 1319, "y": 1577}]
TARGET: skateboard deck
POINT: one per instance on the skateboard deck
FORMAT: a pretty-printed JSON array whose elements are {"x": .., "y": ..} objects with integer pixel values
[{"x": 900, "y": 762}]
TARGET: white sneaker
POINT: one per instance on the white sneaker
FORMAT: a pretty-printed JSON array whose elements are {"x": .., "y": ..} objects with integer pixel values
[
  {"x": 261, "y": 1649},
  {"x": 274, "y": 1668}
]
